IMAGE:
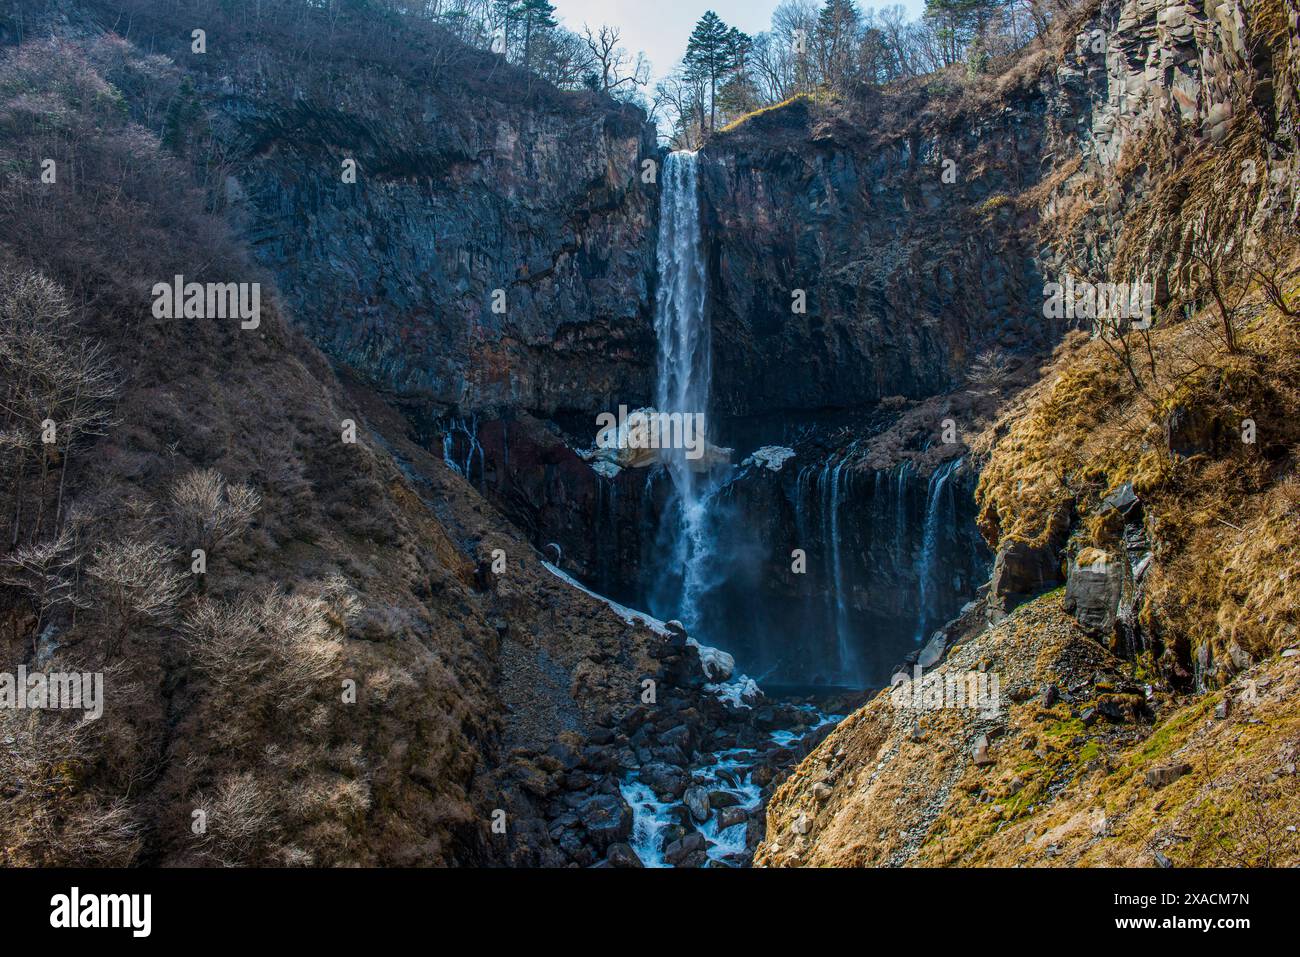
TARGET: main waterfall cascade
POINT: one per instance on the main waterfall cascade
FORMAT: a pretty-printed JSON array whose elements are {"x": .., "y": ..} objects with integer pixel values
[
  {"x": 885, "y": 565},
  {"x": 684, "y": 370}
]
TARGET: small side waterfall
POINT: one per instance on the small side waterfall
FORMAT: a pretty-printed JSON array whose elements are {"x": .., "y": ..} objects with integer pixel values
[
  {"x": 833, "y": 480},
  {"x": 684, "y": 371},
  {"x": 934, "y": 508},
  {"x": 467, "y": 429}
]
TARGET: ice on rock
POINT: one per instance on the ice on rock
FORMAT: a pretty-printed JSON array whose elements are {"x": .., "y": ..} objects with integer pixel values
[{"x": 770, "y": 457}]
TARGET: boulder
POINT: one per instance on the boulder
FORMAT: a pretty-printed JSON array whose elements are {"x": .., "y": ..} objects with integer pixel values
[
  {"x": 1160, "y": 777},
  {"x": 697, "y": 800},
  {"x": 731, "y": 816},
  {"x": 678, "y": 736},
  {"x": 678, "y": 851},
  {"x": 1093, "y": 590},
  {"x": 716, "y": 664},
  {"x": 666, "y": 780},
  {"x": 1121, "y": 498},
  {"x": 622, "y": 855},
  {"x": 1022, "y": 568},
  {"x": 607, "y": 820}
]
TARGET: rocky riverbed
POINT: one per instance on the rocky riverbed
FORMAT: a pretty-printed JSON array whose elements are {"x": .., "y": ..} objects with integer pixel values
[
  {"x": 711, "y": 812},
  {"x": 683, "y": 778}
]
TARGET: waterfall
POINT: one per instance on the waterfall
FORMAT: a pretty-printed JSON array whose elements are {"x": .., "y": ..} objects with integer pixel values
[
  {"x": 930, "y": 541},
  {"x": 469, "y": 429},
  {"x": 832, "y": 498},
  {"x": 684, "y": 368}
]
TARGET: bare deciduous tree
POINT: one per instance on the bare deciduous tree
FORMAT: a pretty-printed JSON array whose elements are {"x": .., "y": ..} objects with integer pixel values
[
  {"x": 614, "y": 66},
  {"x": 58, "y": 393},
  {"x": 46, "y": 571},
  {"x": 136, "y": 586},
  {"x": 208, "y": 510},
  {"x": 241, "y": 816},
  {"x": 988, "y": 373},
  {"x": 274, "y": 646}
]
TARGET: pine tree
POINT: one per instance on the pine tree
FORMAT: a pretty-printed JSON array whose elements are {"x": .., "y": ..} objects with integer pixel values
[
  {"x": 536, "y": 16},
  {"x": 710, "y": 53},
  {"x": 959, "y": 22},
  {"x": 838, "y": 26}
]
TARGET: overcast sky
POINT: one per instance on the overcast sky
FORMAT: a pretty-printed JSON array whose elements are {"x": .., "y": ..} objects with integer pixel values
[{"x": 660, "y": 27}]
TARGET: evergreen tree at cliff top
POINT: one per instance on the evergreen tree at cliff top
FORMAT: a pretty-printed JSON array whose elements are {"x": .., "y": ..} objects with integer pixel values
[
  {"x": 529, "y": 19},
  {"x": 713, "y": 50},
  {"x": 959, "y": 22},
  {"x": 838, "y": 27}
]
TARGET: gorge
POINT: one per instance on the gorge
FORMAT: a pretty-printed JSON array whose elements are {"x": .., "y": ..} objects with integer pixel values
[{"x": 369, "y": 588}]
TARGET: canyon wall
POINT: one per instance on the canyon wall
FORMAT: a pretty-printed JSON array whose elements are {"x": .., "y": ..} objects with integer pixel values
[
  {"x": 909, "y": 267},
  {"x": 1171, "y": 154}
]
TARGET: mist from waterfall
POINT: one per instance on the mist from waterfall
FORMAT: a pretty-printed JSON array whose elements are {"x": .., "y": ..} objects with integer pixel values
[{"x": 684, "y": 371}]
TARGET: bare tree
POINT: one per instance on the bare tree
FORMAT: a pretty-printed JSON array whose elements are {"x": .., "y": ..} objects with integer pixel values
[
  {"x": 243, "y": 814},
  {"x": 273, "y": 647},
  {"x": 46, "y": 571},
  {"x": 989, "y": 372},
  {"x": 136, "y": 586},
  {"x": 208, "y": 510},
  {"x": 1210, "y": 270},
  {"x": 57, "y": 395},
  {"x": 614, "y": 65}
]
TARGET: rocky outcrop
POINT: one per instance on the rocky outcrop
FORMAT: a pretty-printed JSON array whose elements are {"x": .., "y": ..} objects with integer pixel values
[
  {"x": 1022, "y": 569},
  {"x": 1093, "y": 590},
  {"x": 1074, "y": 767}
]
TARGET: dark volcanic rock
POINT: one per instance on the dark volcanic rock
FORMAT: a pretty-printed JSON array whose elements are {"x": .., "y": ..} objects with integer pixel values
[
  {"x": 1093, "y": 591},
  {"x": 607, "y": 819},
  {"x": 1023, "y": 568},
  {"x": 621, "y": 855},
  {"x": 396, "y": 274},
  {"x": 901, "y": 287}
]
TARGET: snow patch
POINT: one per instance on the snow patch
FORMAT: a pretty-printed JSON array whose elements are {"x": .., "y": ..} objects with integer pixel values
[
  {"x": 770, "y": 457},
  {"x": 629, "y": 615},
  {"x": 741, "y": 693},
  {"x": 718, "y": 665}
]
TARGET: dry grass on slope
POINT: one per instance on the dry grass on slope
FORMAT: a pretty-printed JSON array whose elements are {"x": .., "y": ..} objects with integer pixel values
[
  {"x": 1065, "y": 781},
  {"x": 1223, "y": 513}
]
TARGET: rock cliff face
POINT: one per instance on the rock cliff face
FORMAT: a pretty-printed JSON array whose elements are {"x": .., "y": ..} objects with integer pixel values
[
  {"x": 476, "y": 246},
  {"x": 490, "y": 253},
  {"x": 849, "y": 263},
  {"x": 1169, "y": 132}
]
